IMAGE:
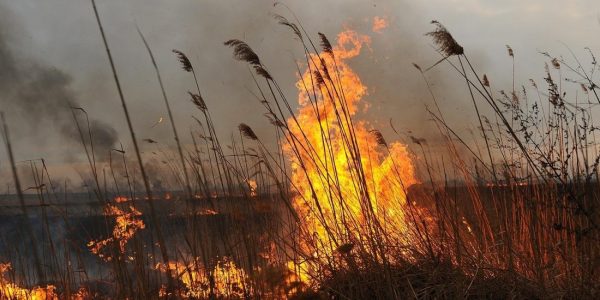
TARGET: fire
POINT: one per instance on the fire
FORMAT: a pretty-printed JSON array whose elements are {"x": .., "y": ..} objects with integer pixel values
[
  {"x": 127, "y": 224},
  {"x": 228, "y": 282},
  {"x": 349, "y": 180},
  {"x": 208, "y": 212},
  {"x": 82, "y": 294},
  {"x": 9, "y": 290},
  {"x": 252, "y": 185},
  {"x": 121, "y": 199},
  {"x": 379, "y": 24}
]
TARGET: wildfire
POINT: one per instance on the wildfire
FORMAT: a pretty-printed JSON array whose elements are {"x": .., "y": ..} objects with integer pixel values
[
  {"x": 121, "y": 199},
  {"x": 208, "y": 212},
  {"x": 379, "y": 24},
  {"x": 252, "y": 185},
  {"x": 9, "y": 290},
  {"x": 228, "y": 282},
  {"x": 127, "y": 224},
  {"x": 348, "y": 178}
]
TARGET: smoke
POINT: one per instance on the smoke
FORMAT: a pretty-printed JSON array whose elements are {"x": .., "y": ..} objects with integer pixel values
[
  {"x": 37, "y": 96},
  {"x": 40, "y": 96}
]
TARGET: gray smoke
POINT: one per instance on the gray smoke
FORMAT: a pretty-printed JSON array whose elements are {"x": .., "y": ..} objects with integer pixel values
[
  {"x": 199, "y": 28},
  {"x": 37, "y": 95}
]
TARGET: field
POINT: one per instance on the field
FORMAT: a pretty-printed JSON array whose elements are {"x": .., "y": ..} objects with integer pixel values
[{"x": 336, "y": 210}]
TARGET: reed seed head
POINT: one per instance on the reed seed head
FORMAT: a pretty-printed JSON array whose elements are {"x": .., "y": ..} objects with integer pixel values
[
  {"x": 511, "y": 53},
  {"x": 198, "y": 101},
  {"x": 325, "y": 44},
  {"x": 185, "y": 62},
  {"x": 379, "y": 137},
  {"x": 283, "y": 21},
  {"x": 243, "y": 52},
  {"x": 247, "y": 131},
  {"x": 261, "y": 71},
  {"x": 444, "y": 40},
  {"x": 486, "y": 82}
]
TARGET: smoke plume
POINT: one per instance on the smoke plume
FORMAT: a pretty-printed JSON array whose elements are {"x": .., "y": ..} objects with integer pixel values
[{"x": 38, "y": 95}]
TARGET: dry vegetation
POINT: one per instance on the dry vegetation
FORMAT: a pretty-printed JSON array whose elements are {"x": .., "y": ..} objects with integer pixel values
[{"x": 335, "y": 211}]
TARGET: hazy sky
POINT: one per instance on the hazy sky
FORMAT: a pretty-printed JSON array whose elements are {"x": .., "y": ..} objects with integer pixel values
[{"x": 59, "y": 39}]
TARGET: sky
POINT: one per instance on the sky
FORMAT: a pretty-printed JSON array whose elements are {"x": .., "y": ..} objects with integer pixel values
[{"x": 51, "y": 51}]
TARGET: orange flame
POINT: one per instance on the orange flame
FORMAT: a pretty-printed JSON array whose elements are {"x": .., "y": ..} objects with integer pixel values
[
  {"x": 347, "y": 178},
  {"x": 127, "y": 224},
  {"x": 252, "y": 185},
  {"x": 121, "y": 199},
  {"x": 9, "y": 290},
  {"x": 379, "y": 24},
  {"x": 229, "y": 281}
]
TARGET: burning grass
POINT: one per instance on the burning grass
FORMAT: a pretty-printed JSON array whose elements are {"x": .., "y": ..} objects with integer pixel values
[
  {"x": 225, "y": 280},
  {"x": 10, "y": 290},
  {"x": 351, "y": 184},
  {"x": 337, "y": 211},
  {"x": 127, "y": 223}
]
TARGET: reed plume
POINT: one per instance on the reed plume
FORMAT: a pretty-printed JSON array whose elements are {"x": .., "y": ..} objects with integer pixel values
[
  {"x": 247, "y": 131},
  {"x": 198, "y": 101},
  {"x": 261, "y": 71},
  {"x": 243, "y": 52},
  {"x": 325, "y": 44},
  {"x": 511, "y": 53},
  {"x": 186, "y": 65},
  {"x": 444, "y": 40},
  {"x": 283, "y": 21},
  {"x": 379, "y": 137}
]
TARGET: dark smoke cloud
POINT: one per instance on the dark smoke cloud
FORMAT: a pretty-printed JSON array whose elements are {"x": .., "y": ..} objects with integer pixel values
[{"x": 35, "y": 95}]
